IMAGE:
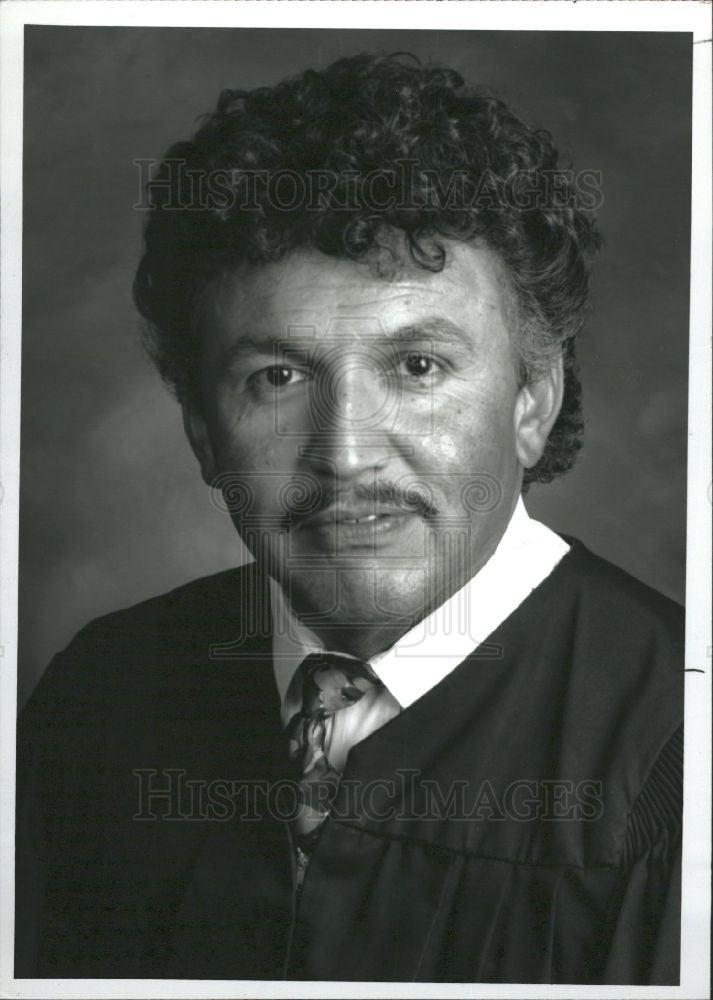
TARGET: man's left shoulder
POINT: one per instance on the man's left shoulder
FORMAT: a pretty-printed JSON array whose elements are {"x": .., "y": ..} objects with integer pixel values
[
  {"x": 609, "y": 597},
  {"x": 621, "y": 647}
]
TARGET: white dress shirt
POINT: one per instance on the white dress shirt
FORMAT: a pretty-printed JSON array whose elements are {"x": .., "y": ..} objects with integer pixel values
[{"x": 423, "y": 656}]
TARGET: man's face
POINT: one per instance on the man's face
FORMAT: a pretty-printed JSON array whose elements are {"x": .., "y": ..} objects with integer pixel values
[{"x": 369, "y": 433}]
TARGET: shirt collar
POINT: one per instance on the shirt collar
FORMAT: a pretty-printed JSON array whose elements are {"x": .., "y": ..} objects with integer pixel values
[
  {"x": 527, "y": 553},
  {"x": 291, "y": 640}
]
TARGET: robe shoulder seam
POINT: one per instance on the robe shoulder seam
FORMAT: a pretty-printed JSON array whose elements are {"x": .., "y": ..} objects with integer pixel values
[
  {"x": 448, "y": 849},
  {"x": 656, "y": 815}
]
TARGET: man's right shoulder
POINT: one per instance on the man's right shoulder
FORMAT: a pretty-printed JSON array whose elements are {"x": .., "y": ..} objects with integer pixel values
[
  {"x": 171, "y": 632},
  {"x": 207, "y": 598},
  {"x": 206, "y": 604}
]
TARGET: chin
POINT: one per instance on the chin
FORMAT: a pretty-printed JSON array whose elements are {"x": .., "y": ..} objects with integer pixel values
[{"x": 346, "y": 597}]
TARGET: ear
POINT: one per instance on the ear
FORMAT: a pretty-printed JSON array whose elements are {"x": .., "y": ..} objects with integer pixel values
[
  {"x": 536, "y": 409},
  {"x": 197, "y": 433}
]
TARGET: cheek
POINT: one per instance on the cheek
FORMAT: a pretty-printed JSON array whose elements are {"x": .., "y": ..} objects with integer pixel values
[
  {"x": 266, "y": 463},
  {"x": 244, "y": 437},
  {"x": 472, "y": 432},
  {"x": 257, "y": 461}
]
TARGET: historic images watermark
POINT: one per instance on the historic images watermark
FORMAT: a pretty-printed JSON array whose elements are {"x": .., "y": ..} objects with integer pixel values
[
  {"x": 174, "y": 186},
  {"x": 170, "y": 795}
]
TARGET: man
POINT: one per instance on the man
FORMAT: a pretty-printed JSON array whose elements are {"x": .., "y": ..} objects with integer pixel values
[{"x": 421, "y": 736}]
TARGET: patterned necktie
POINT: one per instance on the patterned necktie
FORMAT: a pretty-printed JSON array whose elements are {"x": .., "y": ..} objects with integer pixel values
[{"x": 330, "y": 682}]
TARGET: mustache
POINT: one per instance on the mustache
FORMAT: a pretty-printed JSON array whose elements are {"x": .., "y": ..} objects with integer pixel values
[
  {"x": 412, "y": 499},
  {"x": 305, "y": 495},
  {"x": 249, "y": 497}
]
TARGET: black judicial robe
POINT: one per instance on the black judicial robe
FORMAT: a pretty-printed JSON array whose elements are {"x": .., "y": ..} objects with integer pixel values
[{"x": 519, "y": 823}]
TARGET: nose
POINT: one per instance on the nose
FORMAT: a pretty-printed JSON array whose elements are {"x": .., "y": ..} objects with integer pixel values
[{"x": 352, "y": 413}]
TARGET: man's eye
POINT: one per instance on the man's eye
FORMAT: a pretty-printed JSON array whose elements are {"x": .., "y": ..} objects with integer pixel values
[
  {"x": 418, "y": 366},
  {"x": 278, "y": 376}
]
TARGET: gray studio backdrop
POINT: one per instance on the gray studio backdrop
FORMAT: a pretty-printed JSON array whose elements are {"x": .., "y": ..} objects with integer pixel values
[{"x": 113, "y": 508}]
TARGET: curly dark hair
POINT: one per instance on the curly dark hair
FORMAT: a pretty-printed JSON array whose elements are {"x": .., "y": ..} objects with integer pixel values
[{"x": 394, "y": 146}]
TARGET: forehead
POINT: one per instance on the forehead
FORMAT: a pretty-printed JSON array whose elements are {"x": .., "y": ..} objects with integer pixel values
[{"x": 325, "y": 294}]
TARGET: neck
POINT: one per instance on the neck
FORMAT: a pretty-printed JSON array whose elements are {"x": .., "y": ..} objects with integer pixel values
[
  {"x": 364, "y": 641},
  {"x": 342, "y": 634}
]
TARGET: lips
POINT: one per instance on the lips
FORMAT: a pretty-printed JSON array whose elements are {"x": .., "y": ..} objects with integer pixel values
[{"x": 361, "y": 514}]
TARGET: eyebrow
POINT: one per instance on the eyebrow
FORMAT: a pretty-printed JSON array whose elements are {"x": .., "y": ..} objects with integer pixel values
[
  {"x": 436, "y": 328},
  {"x": 432, "y": 328}
]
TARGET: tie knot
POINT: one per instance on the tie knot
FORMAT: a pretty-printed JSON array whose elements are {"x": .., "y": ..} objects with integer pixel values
[{"x": 332, "y": 681}]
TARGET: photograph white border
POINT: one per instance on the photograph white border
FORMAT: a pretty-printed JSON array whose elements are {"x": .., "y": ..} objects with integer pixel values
[{"x": 521, "y": 15}]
